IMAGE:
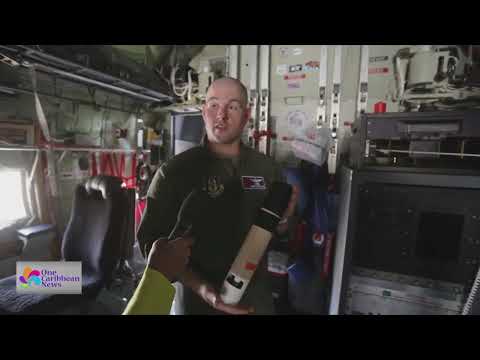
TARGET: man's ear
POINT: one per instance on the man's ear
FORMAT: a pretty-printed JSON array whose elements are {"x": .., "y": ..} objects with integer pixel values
[{"x": 246, "y": 114}]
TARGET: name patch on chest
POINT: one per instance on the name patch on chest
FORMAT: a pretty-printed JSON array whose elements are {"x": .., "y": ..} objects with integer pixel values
[{"x": 253, "y": 183}]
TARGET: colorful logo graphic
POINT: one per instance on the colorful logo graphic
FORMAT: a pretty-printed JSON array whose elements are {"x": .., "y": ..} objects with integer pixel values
[{"x": 30, "y": 277}]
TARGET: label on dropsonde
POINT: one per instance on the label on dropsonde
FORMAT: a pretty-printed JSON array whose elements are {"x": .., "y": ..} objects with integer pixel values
[{"x": 233, "y": 288}]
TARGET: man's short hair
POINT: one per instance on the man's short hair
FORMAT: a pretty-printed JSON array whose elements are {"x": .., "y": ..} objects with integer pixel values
[{"x": 243, "y": 88}]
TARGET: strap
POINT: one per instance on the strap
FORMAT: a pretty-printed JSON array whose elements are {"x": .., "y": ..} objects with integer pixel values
[
  {"x": 253, "y": 64},
  {"x": 264, "y": 117},
  {"x": 363, "y": 82},
  {"x": 322, "y": 88},
  {"x": 335, "y": 108},
  {"x": 42, "y": 120}
]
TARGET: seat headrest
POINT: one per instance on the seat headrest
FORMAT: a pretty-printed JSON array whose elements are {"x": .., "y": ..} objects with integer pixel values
[{"x": 107, "y": 185}]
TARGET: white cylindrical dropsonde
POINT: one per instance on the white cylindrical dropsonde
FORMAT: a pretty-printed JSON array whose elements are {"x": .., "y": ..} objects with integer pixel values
[{"x": 255, "y": 244}]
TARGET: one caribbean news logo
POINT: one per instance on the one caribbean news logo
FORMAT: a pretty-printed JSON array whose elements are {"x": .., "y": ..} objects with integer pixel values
[
  {"x": 49, "y": 277},
  {"x": 30, "y": 278}
]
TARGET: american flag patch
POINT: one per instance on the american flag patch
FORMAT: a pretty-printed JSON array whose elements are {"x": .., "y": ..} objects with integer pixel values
[{"x": 253, "y": 183}]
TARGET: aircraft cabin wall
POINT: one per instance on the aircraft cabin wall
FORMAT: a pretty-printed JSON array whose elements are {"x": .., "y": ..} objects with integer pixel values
[{"x": 74, "y": 123}]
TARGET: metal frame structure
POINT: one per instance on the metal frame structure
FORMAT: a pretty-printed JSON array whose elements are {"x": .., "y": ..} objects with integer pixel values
[
  {"x": 233, "y": 56},
  {"x": 399, "y": 125},
  {"x": 351, "y": 181},
  {"x": 27, "y": 57}
]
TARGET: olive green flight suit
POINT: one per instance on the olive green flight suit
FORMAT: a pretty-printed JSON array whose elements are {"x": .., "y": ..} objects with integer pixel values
[{"x": 220, "y": 230}]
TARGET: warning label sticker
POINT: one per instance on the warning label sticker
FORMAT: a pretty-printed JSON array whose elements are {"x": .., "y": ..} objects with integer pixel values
[
  {"x": 294, "y": 77},
  {"x": 378, "y": 58},
  {"x": 380, "y": 70}
]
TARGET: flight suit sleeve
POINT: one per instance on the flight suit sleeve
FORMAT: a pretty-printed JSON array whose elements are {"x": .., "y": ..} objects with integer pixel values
[
  {"x": 160, "y": 212},
  {"x": 153, "y": 295}
]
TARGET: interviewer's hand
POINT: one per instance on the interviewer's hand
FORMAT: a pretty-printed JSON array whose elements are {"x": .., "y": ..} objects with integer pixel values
[
  {"x": 209, "y": 295},
  {"x": 170, "y": 258}
]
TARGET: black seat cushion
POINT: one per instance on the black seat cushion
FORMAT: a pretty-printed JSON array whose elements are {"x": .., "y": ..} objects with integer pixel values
[{"x": 11, "y": 302}]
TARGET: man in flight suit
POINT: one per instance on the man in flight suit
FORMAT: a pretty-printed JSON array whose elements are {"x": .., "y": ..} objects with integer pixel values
[{"x": 236, "y": 179}]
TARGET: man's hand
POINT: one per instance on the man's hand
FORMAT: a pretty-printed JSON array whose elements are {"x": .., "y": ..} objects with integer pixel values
[
  {"x": 290, "y": 210},
  {"x": 210, "y": 296},
  {"x": 170, "y": 258}
]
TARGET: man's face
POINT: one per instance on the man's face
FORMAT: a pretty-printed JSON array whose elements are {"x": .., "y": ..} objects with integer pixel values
[{"x": 224, "y": 113}]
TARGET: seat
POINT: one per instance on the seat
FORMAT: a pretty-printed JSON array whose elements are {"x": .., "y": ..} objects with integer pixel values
[{"x": 93, "y": 236}]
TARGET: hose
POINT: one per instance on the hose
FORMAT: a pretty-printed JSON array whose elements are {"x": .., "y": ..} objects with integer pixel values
[{"x": 472, "y": 297}]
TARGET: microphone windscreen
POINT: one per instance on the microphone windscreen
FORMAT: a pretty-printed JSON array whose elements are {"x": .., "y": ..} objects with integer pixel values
[
  {"x": 273, "y": 206},
  {"x": 278, "y": 197}
]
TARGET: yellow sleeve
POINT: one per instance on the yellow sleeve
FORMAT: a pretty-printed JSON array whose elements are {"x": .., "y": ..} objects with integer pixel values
[{"x": 153, "y": 295}]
